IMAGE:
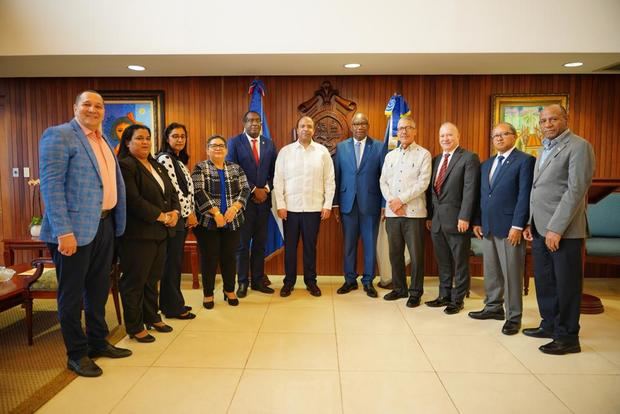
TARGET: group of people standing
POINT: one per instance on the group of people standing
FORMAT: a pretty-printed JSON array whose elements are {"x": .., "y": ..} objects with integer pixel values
[{"x": 150, "y": 203}]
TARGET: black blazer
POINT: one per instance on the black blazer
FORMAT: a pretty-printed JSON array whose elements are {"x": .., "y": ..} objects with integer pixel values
[
  {"x": 459, "y": 193},
  {"x": 146, "y": 201}
]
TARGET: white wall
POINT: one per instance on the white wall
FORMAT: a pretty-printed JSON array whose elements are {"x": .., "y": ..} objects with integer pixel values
[{"x": 89, "y": 27}]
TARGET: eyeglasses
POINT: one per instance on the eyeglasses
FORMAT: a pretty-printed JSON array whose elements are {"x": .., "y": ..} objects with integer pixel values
[
  {"x": 175, "y": 136},
  {"x": 360, "y": 124},
  {"x": 406, "y": 129},
  {"x": 217, "y": 146},
  {"x": 502, "y": 135},
  {"x": 253, "y": 121}
]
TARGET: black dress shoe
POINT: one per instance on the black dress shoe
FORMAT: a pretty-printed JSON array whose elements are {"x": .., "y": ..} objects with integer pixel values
[
  {"x": 453, "y": 308},
  {"x": 438, "y": 303},
  {"x": 286, "y": 290},
  {"x": 186, "y": 315},
  {"x": 208, "y": 305},
  {"x": 394, "y": 295},
  {"x": 110, "y": 351},
  {"x": 159, "y": 328},
  {"x": 486, "y": 314},
  {"x": 266, "y": 280},
  {"x": 261, "y": 288},
  {"x": 314, "y": 290},
  {"x": 413, "y": 301},
  {"x": 85, "y": 367},
  {"x": 560, "y": 348},
  {"x": 388, "y": 285},
  {"x": 346, "y": 288},
  {"x": 242, "y": 291},
  {"x": 370, "y": 290},
  {"x": 511, "y": 327},
  {"x": 144, "y": 339},
  {"x": 231, "y": 301},
  {"x": 537, "y": 333}
]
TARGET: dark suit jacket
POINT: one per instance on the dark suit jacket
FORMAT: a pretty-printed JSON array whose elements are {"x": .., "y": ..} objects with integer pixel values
[
  {"x": 362, "y": 183},
  {"x": 146, "y": 201},
  {"x": 506, "y": 203},
  {"x": 240, "y": 152},
  {"x": 459, "y": 193}
]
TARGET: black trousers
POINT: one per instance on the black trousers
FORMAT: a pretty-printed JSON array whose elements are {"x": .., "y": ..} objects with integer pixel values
[
  {"x": 307, "y": 226},
  {"x": 452, "y": 255},
  {"x": 142, "y": 264},
  {"x": 251, "y": 252},
  {"x": 559, "y": 282},
  {"x": 171, "y": 301},
  {"x": 409, "y": 232},
  {"x": 85, "y": 276},
  {"x": 217, "y": 247}
]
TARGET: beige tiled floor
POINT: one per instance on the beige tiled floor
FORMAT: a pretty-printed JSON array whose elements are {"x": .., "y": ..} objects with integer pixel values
[{"x": 352, "y": 354}]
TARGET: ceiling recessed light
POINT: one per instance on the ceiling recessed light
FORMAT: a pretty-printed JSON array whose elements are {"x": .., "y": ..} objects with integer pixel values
[
  {"x": 352, "y": 65},
  {"x": 136, "y": 67},
  {"x": 573, "y": 64}
]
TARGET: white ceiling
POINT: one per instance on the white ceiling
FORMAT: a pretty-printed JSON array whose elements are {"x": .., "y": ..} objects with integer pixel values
[{"x": 304, "y": 64}]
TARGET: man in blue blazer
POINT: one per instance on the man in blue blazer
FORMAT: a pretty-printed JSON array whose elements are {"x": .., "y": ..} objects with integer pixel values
[
  {"x": 84, "y": 197},
  {"x": 256, "y": 155},
  {"x": 505, "y": 185},
  {"x": 357, "y": 166}
]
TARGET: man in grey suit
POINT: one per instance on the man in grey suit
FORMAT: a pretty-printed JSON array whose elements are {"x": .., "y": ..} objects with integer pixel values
[
  {"x": 505, "y": 185},
  {"x": 452, "y": 199},
  {"x": 557, "y": 228}
]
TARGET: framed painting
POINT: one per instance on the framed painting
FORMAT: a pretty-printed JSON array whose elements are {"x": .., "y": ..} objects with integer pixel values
[
  {"x": 124, "y": 108},
  {"x": 523, "y": 112}
]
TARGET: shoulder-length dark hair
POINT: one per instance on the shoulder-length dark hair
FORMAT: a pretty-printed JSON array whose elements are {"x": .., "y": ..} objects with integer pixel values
[
  {"x": 123, "y": 150},
  {"x": 165, "y": 147}
]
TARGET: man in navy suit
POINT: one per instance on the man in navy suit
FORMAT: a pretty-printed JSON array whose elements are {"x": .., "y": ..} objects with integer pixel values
[
  {"x": 357, "y": 166},
  {"x": 256, "y": 155},
  {"x": 505, "y": 184},
  {"x": 84, "y": 197}
]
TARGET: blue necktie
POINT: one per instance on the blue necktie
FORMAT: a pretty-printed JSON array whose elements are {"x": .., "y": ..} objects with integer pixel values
[
  {"x": 357, "y": 153},
  {"x": 500, "y": 162}
]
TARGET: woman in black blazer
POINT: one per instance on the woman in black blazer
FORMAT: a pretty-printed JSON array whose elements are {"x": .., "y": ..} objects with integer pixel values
[{"x": 152, "y": 213}]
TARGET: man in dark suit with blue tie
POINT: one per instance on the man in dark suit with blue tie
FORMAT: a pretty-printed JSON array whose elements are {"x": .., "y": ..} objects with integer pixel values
[
  {"x": 84, "y": 197},
  {"x": 256, "y": 155},
  {"x": 357, "y": 166},
  {"x": 505, "y": 185}
]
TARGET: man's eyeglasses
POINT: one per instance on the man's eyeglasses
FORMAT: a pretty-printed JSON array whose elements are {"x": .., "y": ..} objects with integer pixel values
[
  {"x": 502, "y": 135},
  {"x": 405, "y": 129},
  {"x": 253, "y": 121}
]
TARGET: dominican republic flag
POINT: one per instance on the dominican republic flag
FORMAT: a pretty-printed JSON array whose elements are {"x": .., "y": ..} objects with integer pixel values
[
  {"x": 275, "y": 232},
  {"x": 395, "y": 109}
]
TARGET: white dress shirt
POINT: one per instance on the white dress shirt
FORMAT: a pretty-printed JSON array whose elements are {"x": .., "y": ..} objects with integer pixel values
[
  {"x": 443, "y": 159},
  {"x": 304, "y": 178},
  {"x": 494, "y": 166},
  {"x": 362, "y": 146},
  {"x": 257, "y": 143},
  {"x": 405, "y": 175}
]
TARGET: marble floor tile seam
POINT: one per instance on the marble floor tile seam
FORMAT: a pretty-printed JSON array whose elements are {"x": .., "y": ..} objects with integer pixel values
[
  {"x": 129, "y": 389},
  {"x": 445, "y": 389},
  {"x": 417, "y": 340},
  {"x": 548, "y": 388}
]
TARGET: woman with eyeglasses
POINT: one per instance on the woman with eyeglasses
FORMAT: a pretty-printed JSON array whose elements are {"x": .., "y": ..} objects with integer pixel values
[
  {"x": 152, "y": 214},
  {"x": 221, "y": 192},
  {"x": 173, "y": 156}
]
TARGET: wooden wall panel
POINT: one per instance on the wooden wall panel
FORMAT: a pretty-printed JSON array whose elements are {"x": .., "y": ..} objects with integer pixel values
[{"x": 210, "y": 105}]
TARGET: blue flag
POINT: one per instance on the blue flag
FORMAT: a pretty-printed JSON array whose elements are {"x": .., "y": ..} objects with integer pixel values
[
  {"x": 396, "y": 108},
  {"x": 275, "y": 232}
]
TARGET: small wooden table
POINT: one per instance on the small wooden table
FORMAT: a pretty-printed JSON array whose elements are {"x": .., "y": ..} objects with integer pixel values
[
  {"x": 15, "y": 292},
  {"x": 22, "y": 243}
]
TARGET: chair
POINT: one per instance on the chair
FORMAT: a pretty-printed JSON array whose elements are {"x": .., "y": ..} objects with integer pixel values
[
  {"x": 43, "y": 284},
  {"x": 603, "y": 245}
]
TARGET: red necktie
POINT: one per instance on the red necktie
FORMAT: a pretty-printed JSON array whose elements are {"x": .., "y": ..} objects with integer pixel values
[
  {"x": 255, "y": 151},
  {"x": 441, "y": 176}
]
